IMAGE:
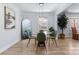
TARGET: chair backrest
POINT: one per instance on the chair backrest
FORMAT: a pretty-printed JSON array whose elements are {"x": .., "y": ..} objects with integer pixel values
[
  {"x": 74, "y": 30},
  {"x": 41, "y": 37}
]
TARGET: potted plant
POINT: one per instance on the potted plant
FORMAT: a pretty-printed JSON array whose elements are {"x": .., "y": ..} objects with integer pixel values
[{"x": 62, "y": 23}]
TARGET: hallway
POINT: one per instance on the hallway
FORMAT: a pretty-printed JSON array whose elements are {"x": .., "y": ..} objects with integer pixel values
[{"x": 65, "y": 47}]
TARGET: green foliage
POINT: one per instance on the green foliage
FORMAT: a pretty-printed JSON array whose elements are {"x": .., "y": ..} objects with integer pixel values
[
  {"x": 62, "y": 21},
  {"x": 51, "y": 29},
  {"x": 52, "y": 32}
]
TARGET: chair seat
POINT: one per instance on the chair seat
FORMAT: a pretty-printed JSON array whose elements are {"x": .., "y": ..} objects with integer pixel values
[
  {"x": 41, "y": 44},
  {"x": 51, "y": 37},
  {"x": 75, "y": 36}
]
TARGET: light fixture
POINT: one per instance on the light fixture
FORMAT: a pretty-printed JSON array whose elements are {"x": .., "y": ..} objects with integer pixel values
[{"x": 41, "y": 4}]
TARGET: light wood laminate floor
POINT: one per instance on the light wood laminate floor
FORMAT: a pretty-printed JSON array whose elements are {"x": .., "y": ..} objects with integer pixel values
[{"x": 65, "y": 47}]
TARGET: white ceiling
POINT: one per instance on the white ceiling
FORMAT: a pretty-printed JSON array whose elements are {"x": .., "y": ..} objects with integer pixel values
[
  {"x": 35, "y": 7},
  {"x": 74, "y": 8}
]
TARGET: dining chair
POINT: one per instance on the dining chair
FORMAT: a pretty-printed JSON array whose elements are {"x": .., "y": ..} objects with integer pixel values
[
  {"x": 53, "y": 38},
  {"x": 75, "y": 34},
  {"x": 41, "y": 38},
  {"x": 32, "y": 37}
]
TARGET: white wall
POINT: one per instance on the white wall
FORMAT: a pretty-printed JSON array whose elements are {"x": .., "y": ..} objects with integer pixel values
[
  {"x": 34, "y": 19},
  {"x": 11, "y": 36}
]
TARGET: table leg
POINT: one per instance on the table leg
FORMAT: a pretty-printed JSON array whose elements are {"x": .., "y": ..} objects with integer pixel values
[
  {"x": 28, "y": 42},
  {"x": 35, "y": 42},
  {"x": 49, "y": 42},
  {"x": 55, "y": 42}
]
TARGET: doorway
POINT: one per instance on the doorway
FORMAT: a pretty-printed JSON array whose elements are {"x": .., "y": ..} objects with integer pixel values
[{"x": 26, "y": 29}]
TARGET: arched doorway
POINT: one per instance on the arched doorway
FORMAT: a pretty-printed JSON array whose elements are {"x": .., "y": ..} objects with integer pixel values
[{"x": 26, "y": 29}]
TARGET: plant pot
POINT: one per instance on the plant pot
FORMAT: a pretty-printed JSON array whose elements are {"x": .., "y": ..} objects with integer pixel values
[{"x": 62, "y": 36}]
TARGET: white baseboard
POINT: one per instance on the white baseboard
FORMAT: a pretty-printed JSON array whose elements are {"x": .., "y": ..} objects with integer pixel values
[{"x": 8, "y": 46}]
